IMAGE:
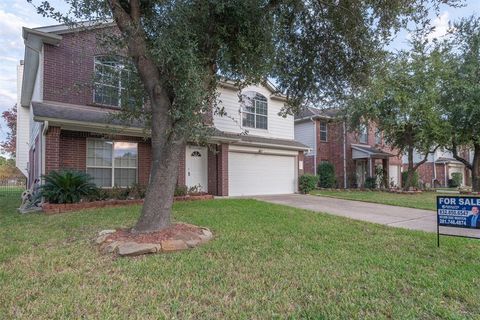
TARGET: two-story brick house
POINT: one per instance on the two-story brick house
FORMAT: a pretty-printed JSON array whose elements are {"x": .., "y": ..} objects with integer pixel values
[
  {"x": 440, "y": 167},
  {"x": 355, "y": 155},
  {"x": 64, "y": 121}
]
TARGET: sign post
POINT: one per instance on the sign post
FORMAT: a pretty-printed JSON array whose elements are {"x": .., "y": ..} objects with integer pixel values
[{"x": 457, "y": 212}]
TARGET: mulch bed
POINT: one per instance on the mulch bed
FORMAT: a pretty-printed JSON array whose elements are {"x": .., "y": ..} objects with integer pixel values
[
  {"x": 170, "y": 232},
  {"x": 53, "y": 208}
]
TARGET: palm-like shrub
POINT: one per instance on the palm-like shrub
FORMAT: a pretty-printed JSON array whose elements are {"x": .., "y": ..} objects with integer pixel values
[{"x": 67, "y": 186}]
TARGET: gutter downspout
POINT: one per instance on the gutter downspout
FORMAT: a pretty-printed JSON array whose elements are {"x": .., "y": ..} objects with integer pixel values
[
  {"x": 434, "y": 171},
  {"x": 344, "y": 156},
  {"x": 42, "y": 148},
  {"x": 315, "y": 146}
]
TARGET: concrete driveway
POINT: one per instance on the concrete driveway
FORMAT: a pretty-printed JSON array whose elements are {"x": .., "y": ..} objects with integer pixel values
[{"x": 400, "y": 217}]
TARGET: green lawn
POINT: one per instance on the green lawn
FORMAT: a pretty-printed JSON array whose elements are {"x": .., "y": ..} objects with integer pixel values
[
  {"x": 425, "y": 200},
  {"x": 267, "y": 261}
]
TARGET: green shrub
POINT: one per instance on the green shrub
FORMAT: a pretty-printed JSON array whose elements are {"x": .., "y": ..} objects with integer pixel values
[
  {"x": 137, "y": 191},
  {"x": 326, "y": 174},
  {"x": 180, "y": 191},
  {"x": 456, "y": 181},
  {"x": 307, "y": 183},
  {"x": 67, "y": 186},
  {"x": 371, "y": 182},
  {"x": 415, "y": 179}
]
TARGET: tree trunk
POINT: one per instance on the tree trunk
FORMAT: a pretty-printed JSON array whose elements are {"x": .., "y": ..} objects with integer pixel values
[
  {"x": 166, "y": 150},
  {"x": 410, "y": 171},
  {"x": 157, "y": 207},
  {"x": 476, "y": 168}
]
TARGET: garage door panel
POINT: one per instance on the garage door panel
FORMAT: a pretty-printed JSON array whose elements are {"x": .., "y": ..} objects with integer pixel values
[{"x": 256, "y": 174}]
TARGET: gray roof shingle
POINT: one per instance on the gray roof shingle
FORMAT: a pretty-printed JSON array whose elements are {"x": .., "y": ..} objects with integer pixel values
[
  {"x": 80, "y": 113},
  {"x": 98, "y": 115},
  {"x": 308, "y": 112}
]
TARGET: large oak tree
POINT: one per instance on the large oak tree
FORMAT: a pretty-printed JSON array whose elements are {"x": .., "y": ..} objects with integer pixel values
[{"x": 312, "y": 49}]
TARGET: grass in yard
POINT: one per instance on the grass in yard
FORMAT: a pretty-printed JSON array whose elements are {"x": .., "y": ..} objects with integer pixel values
[
  {"x": 424, "y": 200},
  {"x": 267, "y": 261}
]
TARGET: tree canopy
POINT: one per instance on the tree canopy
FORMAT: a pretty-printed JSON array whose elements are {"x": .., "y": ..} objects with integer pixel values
[
  {"x": 403, "y": 100},
  {"x": 461, "y": 93},
  {"x": 9, "y": 144}
]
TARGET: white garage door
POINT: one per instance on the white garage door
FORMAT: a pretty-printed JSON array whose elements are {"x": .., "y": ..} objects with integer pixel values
[{"x": 257, "y": 174}]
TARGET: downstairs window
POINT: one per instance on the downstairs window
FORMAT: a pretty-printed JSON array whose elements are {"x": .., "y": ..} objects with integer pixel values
[{"x": 112, "y": 163}]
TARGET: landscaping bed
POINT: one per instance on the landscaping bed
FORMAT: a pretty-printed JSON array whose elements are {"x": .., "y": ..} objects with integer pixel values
[
  {"x": 176, "y": 237},
  {"x": 52, "y": 208}
]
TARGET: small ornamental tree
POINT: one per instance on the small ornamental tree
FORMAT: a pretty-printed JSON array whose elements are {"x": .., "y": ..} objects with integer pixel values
[
  {"x": 179, "y": 49},
  {"x": 9, "y": 144},
  {"x": 403, "y": 100},
  {"x": 460, "y": 94}
]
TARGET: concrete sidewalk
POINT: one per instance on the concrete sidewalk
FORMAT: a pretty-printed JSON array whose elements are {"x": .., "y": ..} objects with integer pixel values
[{"x": 400, "y": 217}]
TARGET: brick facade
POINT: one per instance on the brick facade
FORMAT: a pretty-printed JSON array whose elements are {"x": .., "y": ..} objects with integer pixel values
[
  {"x": 333, "y": 151},
  {"x": 222, "y": 170},
  {"x": 68, "y": 150},
  {"x": 68, "y": 68},
  {"x": 426, "y": 174},
  {"x": 52, "y": 149},
  {"x": 301, "y": 158}
]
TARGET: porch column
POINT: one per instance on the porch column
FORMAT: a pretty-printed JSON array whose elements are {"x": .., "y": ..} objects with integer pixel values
[
  {"x": 222, "y": 170},
  {"x": 370, "y": 169},
  {"x": 445, "y": 172},
  {"x": 386, "y": 178},
  {"x": 212, "y": 170},
  {"x": 181, "y": 179},
  {"x": 52, "y": 149}
]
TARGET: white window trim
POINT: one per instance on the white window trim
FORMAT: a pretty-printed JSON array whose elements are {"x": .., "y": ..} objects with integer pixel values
[
  {"x": 362, "y": 133},
  {"x": 119, "y": 88},
  {"x": 112, "y": 167},
  {"x": 242, "y": 111},
  {"x": 326, "y": 131}
]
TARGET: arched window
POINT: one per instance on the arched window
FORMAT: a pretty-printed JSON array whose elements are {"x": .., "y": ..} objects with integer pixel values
[
  {"x": 111, "y": 79},
  {"x": 254, "y": 110},
  {"x": 196, "y": 154}
]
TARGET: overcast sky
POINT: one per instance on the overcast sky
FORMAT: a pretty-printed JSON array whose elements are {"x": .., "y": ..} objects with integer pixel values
[{"x": 17, "y": 13}]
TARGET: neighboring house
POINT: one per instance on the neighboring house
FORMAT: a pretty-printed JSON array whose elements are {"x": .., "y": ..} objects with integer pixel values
[
  {"x": 439, "y": 167},
  {"x": 65, "y": 122},
  {"x": 355, "y": 155}
]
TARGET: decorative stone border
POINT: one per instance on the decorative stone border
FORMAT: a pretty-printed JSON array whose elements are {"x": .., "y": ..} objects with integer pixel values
[
  {"x": 53, "y": 208},
  {"x": 400, "y": 191},
  {"x": 178, "y": 242},
  {"x": 475, "y": 193}
]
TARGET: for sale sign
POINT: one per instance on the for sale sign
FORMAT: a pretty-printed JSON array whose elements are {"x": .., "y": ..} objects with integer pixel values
[{"x": 460, "y": 212}]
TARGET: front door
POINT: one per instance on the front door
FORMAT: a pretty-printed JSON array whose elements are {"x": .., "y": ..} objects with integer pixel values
[
  {"x": 361, "y": 172},
  {"x": 196, "y": 167}
]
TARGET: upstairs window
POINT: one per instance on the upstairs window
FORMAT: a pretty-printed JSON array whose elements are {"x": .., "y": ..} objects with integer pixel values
[
  {"x": 254, "y": 110},
  {"x": 363, "y": 134},
  {"x": 378, "y": 136},
  {"x": 323, "y": 131},
  {"x": 111, "y": 78}
]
